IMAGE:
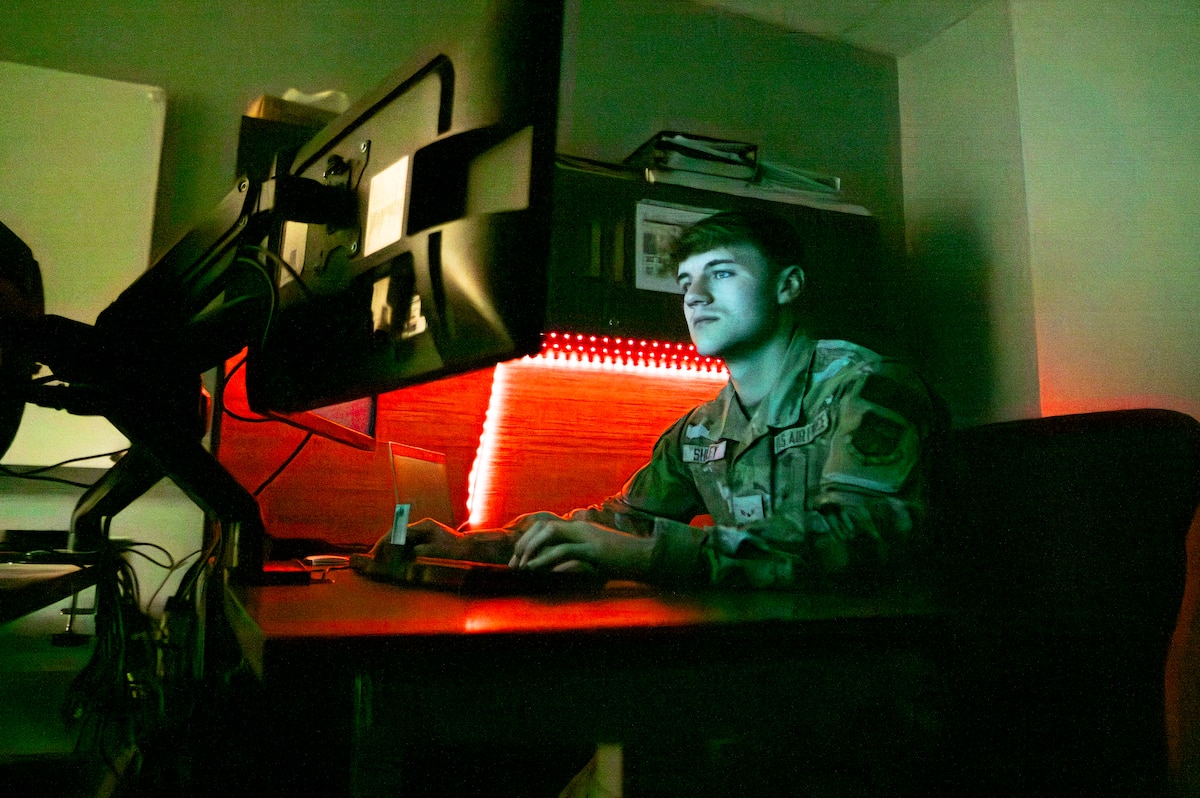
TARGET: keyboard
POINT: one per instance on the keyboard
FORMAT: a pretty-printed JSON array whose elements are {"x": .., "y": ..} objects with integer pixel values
[{"x": 469, "y": 576}]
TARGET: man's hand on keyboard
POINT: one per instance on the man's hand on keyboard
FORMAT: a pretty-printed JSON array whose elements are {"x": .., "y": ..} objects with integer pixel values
[
  {"x": 557, "y": 544},
  {"x": 428, "y": 538}
]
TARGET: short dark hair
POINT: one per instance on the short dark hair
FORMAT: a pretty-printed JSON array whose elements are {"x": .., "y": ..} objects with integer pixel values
[{"x": 775, "y": 237}]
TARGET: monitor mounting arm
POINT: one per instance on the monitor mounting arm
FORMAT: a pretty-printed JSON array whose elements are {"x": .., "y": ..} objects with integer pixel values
[{"x": 139, "y": 367}]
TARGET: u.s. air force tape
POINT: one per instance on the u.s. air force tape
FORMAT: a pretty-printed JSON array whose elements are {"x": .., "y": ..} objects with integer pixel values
[{"x": 799, "y": 436}]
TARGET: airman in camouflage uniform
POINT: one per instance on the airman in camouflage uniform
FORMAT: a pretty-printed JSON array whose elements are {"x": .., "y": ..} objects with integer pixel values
[
  {"x": 819, "y": 481},
  {"x": 807, "y": 461}
]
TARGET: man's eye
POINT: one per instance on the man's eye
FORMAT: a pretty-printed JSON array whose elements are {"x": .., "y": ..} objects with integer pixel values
[{"x": 721, "y": 274}]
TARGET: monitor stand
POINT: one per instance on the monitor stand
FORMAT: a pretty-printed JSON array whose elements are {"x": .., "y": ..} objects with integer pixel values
[
  {"x": 165, "y": 431},
  {"x": 139, "y": 367}
]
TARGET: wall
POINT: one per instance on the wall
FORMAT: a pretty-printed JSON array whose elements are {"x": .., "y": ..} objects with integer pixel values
[
  {"x": 637, "y": 68},
  {"x": 1047, "y": 154},
  {"x": 212, "y": 59},
  {"x": 80, "y": 158},
  {"x": 1110, "y": 118},
  {"x": 965, "y": 211}
]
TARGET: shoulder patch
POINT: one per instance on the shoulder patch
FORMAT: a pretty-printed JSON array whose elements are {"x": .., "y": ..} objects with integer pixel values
[{"x": 877, "y": 439}]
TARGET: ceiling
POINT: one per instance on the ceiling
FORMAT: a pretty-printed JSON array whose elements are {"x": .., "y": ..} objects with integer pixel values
[{"x": 890, "y": 27}]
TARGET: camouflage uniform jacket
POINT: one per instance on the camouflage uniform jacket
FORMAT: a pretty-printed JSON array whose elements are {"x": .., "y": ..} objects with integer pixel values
[{"x": 821, "y": 481}]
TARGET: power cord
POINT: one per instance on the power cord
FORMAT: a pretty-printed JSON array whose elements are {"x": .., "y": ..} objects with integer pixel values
[{"x": 39, "y": 473}]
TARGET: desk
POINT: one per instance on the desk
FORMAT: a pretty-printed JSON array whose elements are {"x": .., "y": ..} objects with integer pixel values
[
  {"x": 378, "y": 664},
  {"x": 26, "y": 587}
]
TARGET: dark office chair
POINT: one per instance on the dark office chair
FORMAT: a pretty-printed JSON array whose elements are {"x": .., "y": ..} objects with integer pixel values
[{"x": 1063, "y": 541}]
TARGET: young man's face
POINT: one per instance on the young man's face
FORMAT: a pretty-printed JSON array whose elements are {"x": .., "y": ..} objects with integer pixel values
[{"x": 730, "y": 300}]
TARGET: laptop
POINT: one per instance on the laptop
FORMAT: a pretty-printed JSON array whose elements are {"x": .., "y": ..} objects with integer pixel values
[{"x": 420, "y": 481}]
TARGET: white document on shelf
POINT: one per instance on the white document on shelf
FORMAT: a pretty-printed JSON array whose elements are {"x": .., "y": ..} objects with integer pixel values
[{"x": 745, "y": 188}]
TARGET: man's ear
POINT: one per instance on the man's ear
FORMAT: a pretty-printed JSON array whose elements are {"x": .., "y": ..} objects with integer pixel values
[{"x": 790, "y": 284}]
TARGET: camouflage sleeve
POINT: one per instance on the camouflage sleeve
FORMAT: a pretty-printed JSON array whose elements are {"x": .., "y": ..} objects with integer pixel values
[
  {"x": 660, "y": 492},
  {"x": 865, "y": 513},
  {"x": 661, "y": 489}
]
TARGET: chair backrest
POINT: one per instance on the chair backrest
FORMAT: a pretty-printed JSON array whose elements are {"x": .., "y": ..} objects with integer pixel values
[{"x": 1062, "y": 540}]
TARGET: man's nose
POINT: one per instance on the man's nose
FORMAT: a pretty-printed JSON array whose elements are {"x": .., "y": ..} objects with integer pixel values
[{"x": 696, "y": 293}]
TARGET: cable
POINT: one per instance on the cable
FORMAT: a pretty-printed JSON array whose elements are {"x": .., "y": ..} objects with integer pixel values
[
  {"x": 36, "y": 478},
  {"x": 238, "y": 416},
  {"x": 287, "y": 462},
  {"x": 116, "y": 696},
  {"x": 38, "y": 473},
  {"x": 132, "y": 689},
  {"x": 225, "y": 408},
  {"x": 244, "y": 419},
  {"x": 272, "y": 289},
  {"x": 283, "y": 264},
  {"x": 191, "y": 577},
  {"x": 175, "y": 567},
  {"x": 132, "y": 549},
  {"x": 40, "y": 469},
  {"x": 236, "y": 366}
]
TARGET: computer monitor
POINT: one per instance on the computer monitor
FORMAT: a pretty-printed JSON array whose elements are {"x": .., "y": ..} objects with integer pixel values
[
  {"x": 406, "y": 241},
  {"x": 414, "y": 231}
]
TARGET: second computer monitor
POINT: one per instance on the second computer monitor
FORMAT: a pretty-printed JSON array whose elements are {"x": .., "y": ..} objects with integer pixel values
[{"x": 415, "y": 234}]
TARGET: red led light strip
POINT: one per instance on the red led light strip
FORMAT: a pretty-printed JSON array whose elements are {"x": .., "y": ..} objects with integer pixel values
[{"x": 603, "y": 350}]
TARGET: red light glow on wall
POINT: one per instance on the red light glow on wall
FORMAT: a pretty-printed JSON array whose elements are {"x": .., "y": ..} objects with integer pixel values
[
  {"x": 555, "y": 431},
  {"x": 567, "y": 426}
]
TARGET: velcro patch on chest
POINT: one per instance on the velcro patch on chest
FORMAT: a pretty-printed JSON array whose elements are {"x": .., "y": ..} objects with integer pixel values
[
  {"x": 747, "y": 508},
  {"x": 800, "y": 436},
  {"x": 703, "y": 454}
]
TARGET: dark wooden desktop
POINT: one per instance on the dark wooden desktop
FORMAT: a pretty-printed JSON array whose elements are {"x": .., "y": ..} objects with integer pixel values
[
  {"x": 26, "y": 586},
  {"x": 34, "y": 571},
  {"x": 368, "y": 668}
]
